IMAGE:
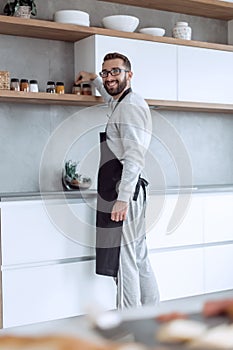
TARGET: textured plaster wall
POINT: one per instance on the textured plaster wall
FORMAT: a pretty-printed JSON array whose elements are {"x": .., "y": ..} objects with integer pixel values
[{"x": 26, "y": 129}]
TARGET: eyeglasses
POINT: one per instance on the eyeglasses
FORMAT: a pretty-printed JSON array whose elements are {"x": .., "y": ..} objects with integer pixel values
[{"x": 114, "y": 72}]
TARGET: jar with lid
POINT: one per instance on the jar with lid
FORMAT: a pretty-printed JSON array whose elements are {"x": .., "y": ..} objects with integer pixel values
[
  {"x": 50, "y": 87},
  {"x": 60, "y": 88},
  {"x": 182, "y": 30},
  {"x": 33, "y": 86},
  {"x": 14, "y": 85},
  {"x": 86, "y": 89},
  {"x": 24, "y": 85},
  {"x": 77, "y": 90}
]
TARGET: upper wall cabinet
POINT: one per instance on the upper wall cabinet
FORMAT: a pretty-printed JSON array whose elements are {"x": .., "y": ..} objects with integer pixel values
[
  {"x": 163, "y": 71},
  {"x": 204, "y": 75},
  {"x": 155, "y": 73}
]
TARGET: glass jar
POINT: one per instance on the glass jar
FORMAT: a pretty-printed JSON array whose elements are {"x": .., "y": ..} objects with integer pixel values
[
  {"x": 182, "y": 31},
  {"x": 86, "y": 89},
  {"x": 77, "y": 90},
  {"x": 50, "y": 87},
  {"x": 33, "y": 86},
  {"x": 24, "y": 85},
  {"x": 60, "y": 88},
  {"x": 14, "y": 85}
]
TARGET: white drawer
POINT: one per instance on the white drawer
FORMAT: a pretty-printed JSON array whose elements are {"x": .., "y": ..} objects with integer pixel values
[
  {"x": 188, "y": 232},
  {"x": 45, "y": 293},
  {"x": 218, "y": 268},
  {"x": 32, "y": 233},
  {"x": 218, "y": 218},
  {"x": 179, "y": 273}
]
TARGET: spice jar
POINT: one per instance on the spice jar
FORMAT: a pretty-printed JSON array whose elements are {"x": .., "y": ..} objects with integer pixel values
[
  {"x": 50, "y": 87},
  {"x": 60, "y": 88},
  {"x": 33, "y": 87},
  {"x": 77, "y": 90},
  {"x": 14, "y": 85},
  {"x": 24, "y": 85},
  {"x": 182, "y": 31},
  {"x": 86, "y": 89}
]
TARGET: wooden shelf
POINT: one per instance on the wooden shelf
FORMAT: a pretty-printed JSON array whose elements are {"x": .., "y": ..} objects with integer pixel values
[
  {"x": 204, "y": 8},
  {"x": 75, "y": 100},
  {"x": 35, "y": 28},
  {"x": 191, "y": 106},
  {"x": 50, "y": 99}
]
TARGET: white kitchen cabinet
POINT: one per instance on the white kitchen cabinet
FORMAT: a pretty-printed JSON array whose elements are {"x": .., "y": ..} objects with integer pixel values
[
  {"x": 51, "y": 292},
  {"x": 160, "y": 209},
  {"x": 204, "y": 75},
  {"x": 218, "y": 264},
  {"x": 32, "y": 232},
  {"x": 218, "y": 218},
  {"x": 179, "y": 273},
  {"x": 153, "y": 64}
]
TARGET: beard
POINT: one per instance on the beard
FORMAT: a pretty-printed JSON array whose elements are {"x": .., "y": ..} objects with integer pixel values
[{"x": 114, "y": 91}]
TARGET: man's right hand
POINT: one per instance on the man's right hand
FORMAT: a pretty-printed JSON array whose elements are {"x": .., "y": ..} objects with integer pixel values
[{"x": 85, "y": 76}]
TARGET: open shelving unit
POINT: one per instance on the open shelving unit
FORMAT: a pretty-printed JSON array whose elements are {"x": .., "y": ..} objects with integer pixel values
[
  {"x": 205, "y": 8},
  {"x": 41, "y": 29}
]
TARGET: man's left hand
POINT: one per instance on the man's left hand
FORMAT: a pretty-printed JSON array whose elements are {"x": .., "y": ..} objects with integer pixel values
[{"x": 119, "y": 211}]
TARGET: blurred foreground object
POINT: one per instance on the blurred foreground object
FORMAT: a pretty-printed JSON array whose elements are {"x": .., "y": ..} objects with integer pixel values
[
  {"x": 180, "y": 331},
  {"x": 218, "y": 307},
  {"x": 60, "y": 343}
]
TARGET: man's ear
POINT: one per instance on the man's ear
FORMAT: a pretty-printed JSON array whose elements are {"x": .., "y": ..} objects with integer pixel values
[{"x": 130, "y": 75}]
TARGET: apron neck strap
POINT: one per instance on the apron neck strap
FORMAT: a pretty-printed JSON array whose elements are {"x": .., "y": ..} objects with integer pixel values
[{"x": 126, "y": 92}]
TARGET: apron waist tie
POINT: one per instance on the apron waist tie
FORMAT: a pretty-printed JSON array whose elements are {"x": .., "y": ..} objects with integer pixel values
[{"x": 141, "y": 182}]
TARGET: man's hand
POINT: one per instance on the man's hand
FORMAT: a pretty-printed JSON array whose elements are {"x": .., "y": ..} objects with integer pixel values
[
  {"x": 85, "y": 76},
  {"x": 119, "y": 211}
]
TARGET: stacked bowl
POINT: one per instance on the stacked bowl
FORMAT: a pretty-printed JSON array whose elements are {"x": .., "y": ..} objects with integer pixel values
[
  {"x": 121, "y": 22},
  {"x": 153, "y": 31},
  {"x": 72, "y": 17}
]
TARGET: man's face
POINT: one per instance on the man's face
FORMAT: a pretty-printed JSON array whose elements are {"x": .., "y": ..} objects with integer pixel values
[{"x": 115, "y": 85}]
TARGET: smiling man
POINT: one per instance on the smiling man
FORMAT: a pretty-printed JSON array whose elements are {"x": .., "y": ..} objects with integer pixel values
[{"x": 121, "y": 250}]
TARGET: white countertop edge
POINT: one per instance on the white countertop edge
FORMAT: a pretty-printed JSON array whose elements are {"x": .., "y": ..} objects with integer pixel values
[{"x": 85, "y": 194}]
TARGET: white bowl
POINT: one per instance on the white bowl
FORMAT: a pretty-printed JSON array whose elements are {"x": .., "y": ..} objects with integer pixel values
[
  {"x": 121, "y": 22},
  {"x": 72, "y": 17},
  {"x": 153, "y": 31}
]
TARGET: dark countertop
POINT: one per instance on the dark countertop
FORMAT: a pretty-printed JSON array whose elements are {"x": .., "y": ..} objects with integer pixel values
[{"x": 91, "y": 193}]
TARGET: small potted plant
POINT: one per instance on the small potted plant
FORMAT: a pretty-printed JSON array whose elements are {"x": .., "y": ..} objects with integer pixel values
[
  {"x": 20, "y": 8},
  {"x": 72, "y": 179}
]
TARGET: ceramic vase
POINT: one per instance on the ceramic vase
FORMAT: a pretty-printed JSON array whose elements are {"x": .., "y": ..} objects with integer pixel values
[{"x": 182, "y": 31}]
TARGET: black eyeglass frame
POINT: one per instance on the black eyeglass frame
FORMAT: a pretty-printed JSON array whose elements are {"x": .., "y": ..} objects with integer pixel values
[{"x": 105, "y": 72}]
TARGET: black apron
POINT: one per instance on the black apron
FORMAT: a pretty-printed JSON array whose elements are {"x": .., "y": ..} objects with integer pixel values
[{"x": 108, "y": 232}]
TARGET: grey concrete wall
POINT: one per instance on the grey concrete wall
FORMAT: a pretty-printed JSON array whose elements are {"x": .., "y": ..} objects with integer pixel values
[{"x": 26, "y": 129}]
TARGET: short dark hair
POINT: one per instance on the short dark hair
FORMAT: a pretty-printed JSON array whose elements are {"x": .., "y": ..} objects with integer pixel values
[{"x": 114, "y": 55}]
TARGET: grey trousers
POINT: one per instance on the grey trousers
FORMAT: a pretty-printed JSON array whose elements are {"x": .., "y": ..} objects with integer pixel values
[{"x": 136, "y": 282}]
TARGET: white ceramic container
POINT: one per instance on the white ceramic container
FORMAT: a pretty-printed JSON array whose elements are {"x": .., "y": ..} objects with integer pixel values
[
  {"x": 72, "y": 17},
  {"x": 153, "y": 31},
  {"x": 121, "y": 22},
  {"x": 182, "y": 31}
]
